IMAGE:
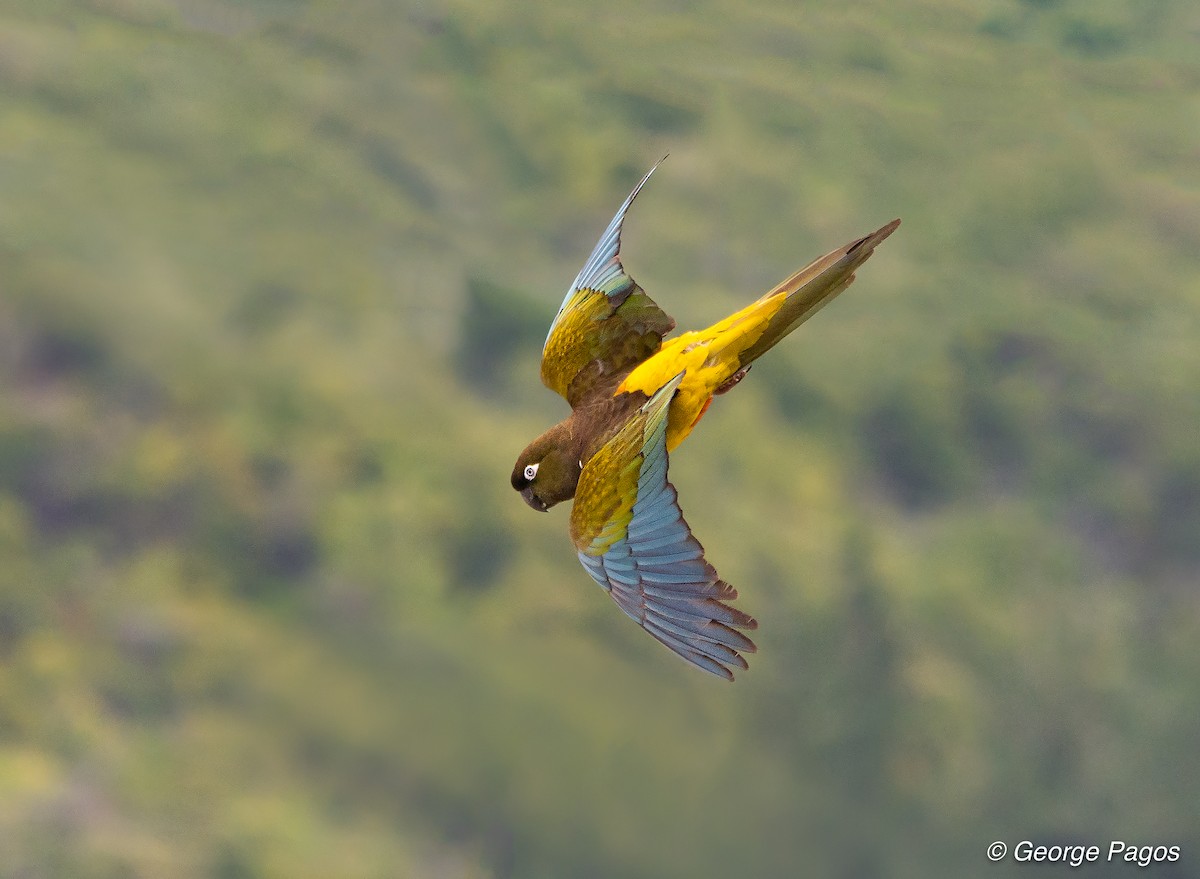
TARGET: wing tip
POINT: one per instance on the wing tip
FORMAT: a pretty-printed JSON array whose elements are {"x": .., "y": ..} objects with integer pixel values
[
  {"x": 637, "y": 189},
  {"x": 711, "y": 655},
  {"x": 718, "y": 669}
]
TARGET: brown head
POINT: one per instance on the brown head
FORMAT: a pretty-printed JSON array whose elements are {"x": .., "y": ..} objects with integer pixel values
[{"x": 547, "y": 472}]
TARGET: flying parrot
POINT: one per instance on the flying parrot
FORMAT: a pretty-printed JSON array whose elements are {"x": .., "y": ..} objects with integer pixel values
[{"x": 634, "y": 398}]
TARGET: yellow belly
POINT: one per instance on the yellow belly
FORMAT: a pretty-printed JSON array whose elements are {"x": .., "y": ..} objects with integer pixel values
[{"x": 709, "y": 358}]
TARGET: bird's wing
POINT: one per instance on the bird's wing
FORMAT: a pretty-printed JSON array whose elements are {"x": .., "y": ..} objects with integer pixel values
[
  {"x": 631, "y": 537},
  {"x": 606, "y": 323}
]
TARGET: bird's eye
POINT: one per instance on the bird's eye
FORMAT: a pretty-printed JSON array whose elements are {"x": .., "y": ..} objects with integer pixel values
[{"x": 531, "y": 471}]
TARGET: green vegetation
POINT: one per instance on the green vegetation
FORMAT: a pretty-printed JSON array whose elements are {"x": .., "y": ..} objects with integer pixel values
[{"x": 273, "y": 282}]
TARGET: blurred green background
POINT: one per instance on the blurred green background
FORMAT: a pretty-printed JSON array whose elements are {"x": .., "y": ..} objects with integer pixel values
[{"x": 274, "y": 278}]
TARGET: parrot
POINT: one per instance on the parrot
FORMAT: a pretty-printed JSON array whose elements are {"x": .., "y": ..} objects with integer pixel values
[{"x": 634, "y": 398}]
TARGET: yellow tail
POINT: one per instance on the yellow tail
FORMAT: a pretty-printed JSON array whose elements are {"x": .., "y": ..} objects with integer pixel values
[
  {"x": 810, "y": 289},
  {"x": 714, "y": 357}
]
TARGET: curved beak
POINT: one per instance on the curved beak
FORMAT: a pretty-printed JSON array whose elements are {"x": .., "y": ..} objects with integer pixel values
[{"x": 533, "y": 500}]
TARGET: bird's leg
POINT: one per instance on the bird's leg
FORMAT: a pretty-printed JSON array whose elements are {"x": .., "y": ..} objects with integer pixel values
[{"x": 728, "y": 384}]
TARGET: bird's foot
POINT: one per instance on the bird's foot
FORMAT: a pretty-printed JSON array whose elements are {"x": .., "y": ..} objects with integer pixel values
[{"x": 732, "y": 381}]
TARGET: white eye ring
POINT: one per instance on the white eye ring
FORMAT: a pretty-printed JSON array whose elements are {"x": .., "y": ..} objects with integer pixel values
[{"x": 531, "y": 471}]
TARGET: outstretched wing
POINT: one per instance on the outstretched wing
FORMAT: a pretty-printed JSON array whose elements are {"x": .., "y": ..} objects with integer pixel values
[
  {"x": 631, "y": 537},
  {"x": 606, "y": 323}
]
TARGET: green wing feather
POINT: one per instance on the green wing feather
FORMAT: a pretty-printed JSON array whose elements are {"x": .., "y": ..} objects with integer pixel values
[
  {"x": 631, "y": 538},
  {"x": 606, "y": 324}
]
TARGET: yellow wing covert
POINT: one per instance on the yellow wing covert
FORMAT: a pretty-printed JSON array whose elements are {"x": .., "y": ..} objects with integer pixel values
[
  {"x": 606, "y": 324},
  {"x": 632, "y": 539}
]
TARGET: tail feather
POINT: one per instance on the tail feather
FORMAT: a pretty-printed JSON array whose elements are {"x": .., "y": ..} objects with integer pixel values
[{"x": 809, "y": 289}]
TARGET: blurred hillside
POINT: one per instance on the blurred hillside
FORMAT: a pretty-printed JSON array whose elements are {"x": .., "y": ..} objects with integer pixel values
[{"x": 274, "y": 278}]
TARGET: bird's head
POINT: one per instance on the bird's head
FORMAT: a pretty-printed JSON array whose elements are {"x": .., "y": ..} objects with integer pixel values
[{"x": 547, "y": 472}]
